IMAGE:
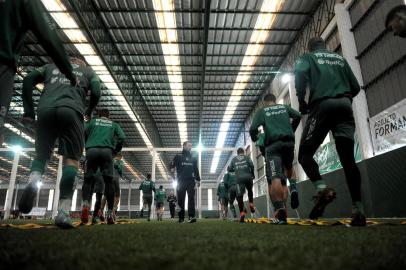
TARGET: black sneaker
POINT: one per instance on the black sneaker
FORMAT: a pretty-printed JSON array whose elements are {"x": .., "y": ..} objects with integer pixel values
[
  {"x": 181, "y": 220},
  {"x": 358, "y": 220},
  {"x": 294, "y": 199},
  {"x": 282, "y": 217},
  {"x": 94, "y": 220},
  {"x": 321, "y": 200},
  {"x": 26, "y": 202},
  {"x": 192, "y": 220}
]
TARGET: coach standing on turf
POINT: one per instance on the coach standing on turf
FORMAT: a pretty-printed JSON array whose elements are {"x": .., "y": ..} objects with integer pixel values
[
  {"x": 188, "y": 174},
  {"x": 332, "y": 87}
]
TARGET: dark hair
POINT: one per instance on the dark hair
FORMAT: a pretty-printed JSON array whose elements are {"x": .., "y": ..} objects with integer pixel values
[
  {"x": 316, "y": 43},
  {"x": 270, "y": 98},
  {"x": 161, "y": 187},
  {"x": 103, "y": 113},
  {"x": 393, "y": 13},
  {"x": 240, "y": 150},
  {"x": 149, "y": 176},
  {"x": 186, "y": 142}
]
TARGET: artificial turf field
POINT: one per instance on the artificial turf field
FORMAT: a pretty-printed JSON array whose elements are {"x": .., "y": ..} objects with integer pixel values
[{"x": 207, "y": 244}]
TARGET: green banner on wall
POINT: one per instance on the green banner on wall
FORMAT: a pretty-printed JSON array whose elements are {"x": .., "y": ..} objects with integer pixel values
[{"x": 327, "y": 157}]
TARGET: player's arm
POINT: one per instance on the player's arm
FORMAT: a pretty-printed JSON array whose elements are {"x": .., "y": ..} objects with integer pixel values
[
  {"x": 302, "y": 75},
  {"x": 225, "y": 180},
  {"x": 153, "y": 186},
  {"x": 354, "y": 85},
  {"x": 119, "y": 134},
  {"x": 295, "y": 116},
  {"x": 256, "y": 123},
  {"x": 232, "y": 166},
  {"x": 39, "y": 22},
  {"x": 218, "y": 190},
  {"x": 95, "y": 94},
  {"x": 29, "y": 82},
  {"x": 196, "y": 170},
  {"x": 88, "y": 127},
  {"x": 140, "y": 187}
]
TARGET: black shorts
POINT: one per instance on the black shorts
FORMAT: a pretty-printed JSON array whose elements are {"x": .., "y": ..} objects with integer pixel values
[
  {"x": 159, "y": 204},
  {"x": 278, "y": 156},
  {"x": 64, "y": 124},
  {"x": 335, "y": 115},
  {"x": 116, "y": 183},
  {"x": 99, "y": 158},
  {"x": 6, "y": 91},
  {"x": 242, "y": 185}
]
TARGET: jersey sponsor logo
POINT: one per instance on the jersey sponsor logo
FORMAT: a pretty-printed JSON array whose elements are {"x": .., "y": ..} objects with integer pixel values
[
  {"x": 187, "y": 163},
  {"x": 330, "y": 63},
  {"x": 103, "y": 122}
]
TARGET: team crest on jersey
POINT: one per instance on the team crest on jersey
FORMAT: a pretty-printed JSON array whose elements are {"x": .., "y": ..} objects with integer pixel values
[{"x": 55, "y": 71}]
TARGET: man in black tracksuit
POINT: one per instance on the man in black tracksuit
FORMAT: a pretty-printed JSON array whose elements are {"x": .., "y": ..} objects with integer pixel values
[
  {"x": 172, "y": 203},
  {"x": 188, "y": 174}
]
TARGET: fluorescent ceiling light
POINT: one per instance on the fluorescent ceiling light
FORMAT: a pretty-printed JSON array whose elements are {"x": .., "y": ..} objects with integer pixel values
[
  {"x": 166, "y": 22},
  {"x": 264, "y": 22}
]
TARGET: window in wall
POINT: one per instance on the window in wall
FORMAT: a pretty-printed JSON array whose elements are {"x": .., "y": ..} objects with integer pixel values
[
  {"x": 50, "y": 199},
  {"x": 210, "y": 199}
]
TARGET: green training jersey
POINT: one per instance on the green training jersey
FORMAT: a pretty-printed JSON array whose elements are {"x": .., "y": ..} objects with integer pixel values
[
  {"x": 147, "y": 186},
  {"x": 222, "y": 192},
  {"x": 327, "y": 74},
  {"x": 243, "y": 168},
  {"x": 119, "y": 166},
  {"x": 102, "y": 132},
  {"x": 19, "y": 16},
  {"x": 58, "y": 92},
  {"x": 276, "y": 121},
  {"x": 160, "y": 196},
  {"x": 229, "y": 179}
]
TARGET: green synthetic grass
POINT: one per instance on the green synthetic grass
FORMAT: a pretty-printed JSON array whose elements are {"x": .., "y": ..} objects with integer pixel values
[{"x": 208, "y": 244}]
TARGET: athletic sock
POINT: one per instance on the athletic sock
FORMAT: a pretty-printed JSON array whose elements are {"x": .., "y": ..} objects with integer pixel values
[
  {"x": 292, "y": 186},
  {"x": 358, "y": 207},
  {"x": 319, "y": 184},
  {"x": 67, "y": 181},
  {"x": 38, "y": 166},
  {"x": 278, "y": 205}
]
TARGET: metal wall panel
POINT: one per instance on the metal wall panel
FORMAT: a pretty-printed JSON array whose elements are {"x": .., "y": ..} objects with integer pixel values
[{"x": 381, "y": 55}]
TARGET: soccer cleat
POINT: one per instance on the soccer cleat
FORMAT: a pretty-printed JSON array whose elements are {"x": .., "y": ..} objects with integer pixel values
[
  {"x": 84, "y": 216},
  {"x": 252, "y": 207},
  {"x": 192, "y": 220},
  {"x": 102, "y": 219},
  {"x": 294, "y": 199},
  {"x": 62, "y": 220},
  {"x": 110, "y": 219},
  {"x": 181, "y": 220},
  {"x": 358, "y": 220},
  {"x": 281, "y": 217},
  {"x": 242, "y": 217},
  {"x": 322, "y": 199},
  {"x": 26, "y": 202}
]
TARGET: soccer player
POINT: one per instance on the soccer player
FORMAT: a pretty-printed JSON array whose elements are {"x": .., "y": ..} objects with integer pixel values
[
  {"x": 160, "y": 196},
  {"x": 244, "y": 172},
  {"x": 147, "y": 186},
  {"x": 231, "y": 186},
  {"x": 118, "y": 173},
  {"x": 188, "y": 176},
  {"x": 17, "y": 17},
  {"x": 332, "y": 87},
  {"x": 61, "y": 110},
  {"x": 222, "y": 194},
  {"x": 172, "y": 203},
  {"x": 396, "y": 21},
  {"x": 279, "y": 149},
  {"x": 104, "y": 139}
]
